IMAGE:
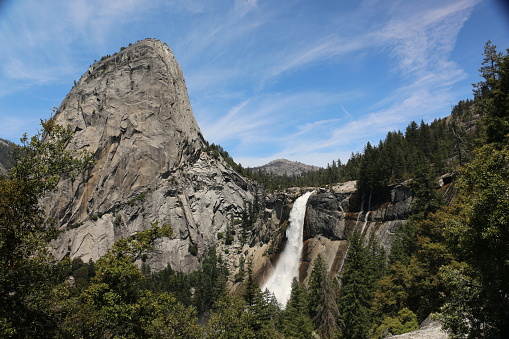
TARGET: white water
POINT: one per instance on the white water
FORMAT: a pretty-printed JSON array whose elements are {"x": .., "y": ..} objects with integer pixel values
[
  {"x": 287, "y": 268},
  {"x": 367, "y": 214},
  {"x": 365, "y": 222}
]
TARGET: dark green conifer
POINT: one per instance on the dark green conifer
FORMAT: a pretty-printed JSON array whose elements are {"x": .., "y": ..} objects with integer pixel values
[
  {"x": 322, "y": 301},
  {"x": 296, "y": 322},
  {"x": 356, "y": 292}
]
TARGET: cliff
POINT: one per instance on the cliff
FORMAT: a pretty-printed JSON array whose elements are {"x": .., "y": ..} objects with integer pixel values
[
  {"x": 132, "y": 112},
  {"x": 333, "y": 214}
]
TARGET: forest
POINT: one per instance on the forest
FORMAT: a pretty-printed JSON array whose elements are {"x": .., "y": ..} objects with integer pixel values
[{"x": 450, "y": 260}]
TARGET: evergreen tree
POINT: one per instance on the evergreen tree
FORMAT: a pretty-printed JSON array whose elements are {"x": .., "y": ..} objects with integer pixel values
[
  {"x": 252, "y": 294},
  {"x": 316, "y": 284},
  {"x": 229, "y": 236},
  {"x": 403, "y": 244},
  {"x": 270, "y": 315},
  {"x": 356, "y": 292},
  {"x": 481, "y": 229},
  {"x": 26, "y": 267},
  {"x": 322, "y": 301},
  {"x": 492, "y": 94},
  {"x": 167, "y": 280},
  {"x": 230, "y": 320},
  {"x": 296, "y": 322},
  {"x": 377, "y": 260},
  {"x": 210, "y": 281},
  {"x": 262, "y": 308},
  {"x": 114, "y": 305},
  {"x": 427, "y": 199}
]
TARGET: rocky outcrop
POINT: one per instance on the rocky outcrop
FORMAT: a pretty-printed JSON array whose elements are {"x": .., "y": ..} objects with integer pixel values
[
  {"x": 331, "y": 217},
  {"x": 6, "y": 156},
  {"x": 327, "y": 215},
  {"x": 430, "y": 329},
  {"x": 132, "y": 112}
]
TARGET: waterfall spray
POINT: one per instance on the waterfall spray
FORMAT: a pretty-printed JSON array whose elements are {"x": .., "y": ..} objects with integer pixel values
[
  {"x": 365, "y": 222},
  {"x": 287, "y": 268},
  {"x": 367, "y": 213}
]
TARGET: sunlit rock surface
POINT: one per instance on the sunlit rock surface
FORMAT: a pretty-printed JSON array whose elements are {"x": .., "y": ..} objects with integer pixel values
[{"x": 132, "y": 112}]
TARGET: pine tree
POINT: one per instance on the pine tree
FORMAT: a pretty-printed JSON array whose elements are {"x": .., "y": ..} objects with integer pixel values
[
  {"x": 377, "y": 260},
  {"x": 356, "y": 292},
  {"x": 296, "y": 322},
  {"x": 483, "y": 237},
  {"x": 210, "y": 281},
  {"x": 262, "y": 308},
  {"x": 322, "y": 301},
  {"x": 252, "y": 294},
  {"x": 492, "y": 94},
  {"x": 230, "y": 319}
]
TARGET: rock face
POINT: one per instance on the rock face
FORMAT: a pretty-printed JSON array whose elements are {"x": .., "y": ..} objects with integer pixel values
[
  {"x": 132, "y": 112},
  {"x": 286, "y": 167},
  {"x": 6, "y": 156},
  {"x": 430, "y": 329},
  {"x": 333, "y": 214}
]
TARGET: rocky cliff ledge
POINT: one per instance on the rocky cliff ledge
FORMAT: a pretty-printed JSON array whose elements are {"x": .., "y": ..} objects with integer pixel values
[{"x": 333, "y": 214}]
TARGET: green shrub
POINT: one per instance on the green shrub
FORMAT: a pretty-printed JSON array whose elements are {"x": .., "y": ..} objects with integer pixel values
[
  {"x": 405, "y": 321},
  {"x": 193, "y": 249}
]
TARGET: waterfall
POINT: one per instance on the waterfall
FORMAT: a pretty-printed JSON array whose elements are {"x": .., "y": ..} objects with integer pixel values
[
  {"x": 367, "y": 214},
  {"x": 365, "y": 222},
  {"x": 359, "y": 214},
  {"x": 287, "y": 268}
]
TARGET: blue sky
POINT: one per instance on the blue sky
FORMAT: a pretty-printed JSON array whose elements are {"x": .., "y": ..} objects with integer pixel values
[{"x": 309, "y": 81}]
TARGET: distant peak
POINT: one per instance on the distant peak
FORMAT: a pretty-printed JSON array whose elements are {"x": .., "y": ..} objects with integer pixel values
[
  {"x": 286, "y": 167},
  {"x": 150, "y": 42},
  {"x": 282, "y": 160}
]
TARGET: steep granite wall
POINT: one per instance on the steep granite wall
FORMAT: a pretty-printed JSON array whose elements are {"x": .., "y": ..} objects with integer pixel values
[
  {"x": 132, "y": 112},
  {"x": 333, "y": 214}
]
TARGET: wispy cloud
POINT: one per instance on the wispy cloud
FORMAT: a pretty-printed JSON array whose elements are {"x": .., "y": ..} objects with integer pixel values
[
  {"x": 343, "y": 137},
  {"x": 312, "y": 127},
  {"x": 296, "y": 79},
  {"x": 419, "y": 42},
  {"x": 305, "y": 55},
  {"x": 242, "y": 7},
  {"x": 275, "y": 123}
]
